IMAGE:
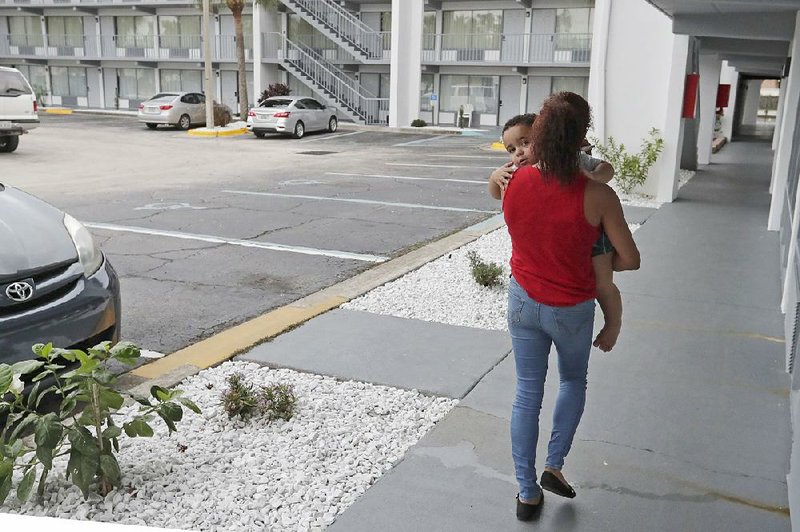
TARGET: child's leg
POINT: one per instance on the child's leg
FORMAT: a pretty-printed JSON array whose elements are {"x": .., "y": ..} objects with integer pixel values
[{"x": 610, "y": 301}]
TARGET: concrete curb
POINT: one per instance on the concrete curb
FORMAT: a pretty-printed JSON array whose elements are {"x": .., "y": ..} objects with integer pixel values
[
  {"x": 175, "y": 367},
  {"x": 205, "y": 133},
  {"x": 108, "y": 112},
  {"x": 57, "y": 111}
]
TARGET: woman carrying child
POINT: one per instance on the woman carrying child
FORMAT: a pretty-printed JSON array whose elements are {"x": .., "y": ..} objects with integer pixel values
[{"x": 554, "y": 212}]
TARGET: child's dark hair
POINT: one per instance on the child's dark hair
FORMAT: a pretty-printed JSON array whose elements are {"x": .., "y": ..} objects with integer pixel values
[
  {"x": 526, "y": 120},
  {"x": 558, "y": 133}
]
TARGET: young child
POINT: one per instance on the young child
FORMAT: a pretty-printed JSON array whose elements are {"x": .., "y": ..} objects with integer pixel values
[{"x": 517, "y": 140}]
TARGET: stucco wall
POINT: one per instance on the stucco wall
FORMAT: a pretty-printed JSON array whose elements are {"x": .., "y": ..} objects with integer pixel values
[{"x": 637, "y": 73}]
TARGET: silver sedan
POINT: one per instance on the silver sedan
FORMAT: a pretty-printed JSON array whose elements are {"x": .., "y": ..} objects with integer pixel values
[
  {"x": 294, "y": 115},
  {"x": 180, "y": 109}
]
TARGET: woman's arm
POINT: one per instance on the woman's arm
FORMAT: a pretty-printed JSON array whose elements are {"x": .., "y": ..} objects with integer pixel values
[{"x": 626, "y": 256}]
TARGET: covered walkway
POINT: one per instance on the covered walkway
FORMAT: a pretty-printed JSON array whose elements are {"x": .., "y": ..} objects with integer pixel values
[{"x": 687, "y": 421}]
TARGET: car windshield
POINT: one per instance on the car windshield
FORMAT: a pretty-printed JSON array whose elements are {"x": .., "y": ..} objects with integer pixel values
[
  {"x": 277, "y": 103},
  {"x": 12, "y": 83}
]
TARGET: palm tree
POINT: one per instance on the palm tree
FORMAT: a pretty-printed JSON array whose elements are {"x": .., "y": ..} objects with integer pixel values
[{"x": 236, "y": 8}]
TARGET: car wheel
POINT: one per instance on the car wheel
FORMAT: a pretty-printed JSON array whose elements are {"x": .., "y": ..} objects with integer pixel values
[
  {"x": 9, "y": 143},
  {"x": 333, "y": 124},
  {"x": 259, "y": 134},
  {"x": 184, "y": 122},
  {"x": 299, "y": 130},
  {"x": 151, "y": 126}
]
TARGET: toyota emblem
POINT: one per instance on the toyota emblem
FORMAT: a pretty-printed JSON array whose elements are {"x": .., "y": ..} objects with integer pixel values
[{"x": 19, "y": 291}]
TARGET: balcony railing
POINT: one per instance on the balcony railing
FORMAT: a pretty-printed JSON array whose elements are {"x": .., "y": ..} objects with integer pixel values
[
  {"x": 50, "y": 45},
  {"x": 517, "y": 49},
  {"x": 225, "y": 49},
  {"x": 155, "y": 47},
  {"x": 61, "y": 3}
]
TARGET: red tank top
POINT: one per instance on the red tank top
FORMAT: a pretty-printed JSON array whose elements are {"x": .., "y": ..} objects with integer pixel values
[{"x": 551, "y": 240}]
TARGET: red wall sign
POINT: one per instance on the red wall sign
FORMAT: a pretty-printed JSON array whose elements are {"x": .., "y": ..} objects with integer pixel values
[
  {"x": 690, "y": 95},
  {"x": 723, "y": 95}
]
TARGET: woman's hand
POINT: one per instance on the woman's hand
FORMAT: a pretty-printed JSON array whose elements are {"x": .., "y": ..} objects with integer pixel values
[{"x": 498, "y": 181}]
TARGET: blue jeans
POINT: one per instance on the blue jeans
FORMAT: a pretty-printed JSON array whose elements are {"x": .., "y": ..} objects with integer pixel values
[{"x": 534, "y": 327}]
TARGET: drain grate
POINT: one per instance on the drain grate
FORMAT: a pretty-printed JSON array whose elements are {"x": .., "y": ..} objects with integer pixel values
[{"x": 316, "y": 152}]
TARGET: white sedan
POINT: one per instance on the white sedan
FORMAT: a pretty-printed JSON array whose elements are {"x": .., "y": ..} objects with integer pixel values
[{"x": 293, "y": 115}]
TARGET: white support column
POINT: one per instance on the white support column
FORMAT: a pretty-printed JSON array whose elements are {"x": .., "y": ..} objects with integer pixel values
[
  {"x": 669, "y": 164},
  {"x": 265, "y": 21},
  {"x": 776, "y": 135},
  {"x": 730, "y": 76},
  {"x": 523, "y": 95},
  {"x": 784, "y": 151},
  {"x": 406, "y": 67},
  {"x": 710, "y": 65},
  {"x": 102, "y": 76},
  {"x": 751, "y": 101},
  {"x": 597, "y": 72}
]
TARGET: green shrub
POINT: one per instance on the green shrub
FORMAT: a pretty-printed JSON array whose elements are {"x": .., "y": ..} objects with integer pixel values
[
  {"x": 222, "y": 114},
  {"x": 84, "y": 419},
  {"x": 630, "y": 170},
  {"x": 419, "y": 123},
  {"x": 484, "y": 273},
  {"x": 275, "y": 89},
  {"x": 276, "y": 401}
]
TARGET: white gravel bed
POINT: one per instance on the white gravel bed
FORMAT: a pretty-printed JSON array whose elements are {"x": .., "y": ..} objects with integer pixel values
[
  {"x": 443, "y": 291},
  {"x": 253, "y": 476},
  {"x": 685, "y": 177}
]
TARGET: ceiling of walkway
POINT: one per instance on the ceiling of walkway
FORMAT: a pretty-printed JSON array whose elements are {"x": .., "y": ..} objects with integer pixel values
[{"x": 752, "y": 35}]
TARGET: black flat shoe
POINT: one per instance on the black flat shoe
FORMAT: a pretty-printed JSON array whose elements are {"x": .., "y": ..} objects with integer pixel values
[
  {"x": 550, "y": 482},
  {"x": 529, "y": 512}
]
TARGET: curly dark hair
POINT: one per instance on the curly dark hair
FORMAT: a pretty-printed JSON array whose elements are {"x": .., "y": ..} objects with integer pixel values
[
  {"x": 520, "y": 120},
  {"x": 558, "y": 133}
]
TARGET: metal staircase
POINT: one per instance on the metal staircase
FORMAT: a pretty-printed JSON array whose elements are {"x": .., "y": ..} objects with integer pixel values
[
  {"x": 333, "y": 84},
  {"x": 342, "y": 27}
]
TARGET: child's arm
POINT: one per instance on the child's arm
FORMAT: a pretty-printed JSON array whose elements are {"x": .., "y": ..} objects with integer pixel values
[
  {"x": 498, "y": 181},
  {"x": 602, "y": 173},
  {"x": 596, "y": 169}
]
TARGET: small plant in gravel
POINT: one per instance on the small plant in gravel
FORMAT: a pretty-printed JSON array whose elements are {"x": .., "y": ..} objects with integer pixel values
[
  {"x": 83, "y": 425},
  {"x": 484, "y": 273},
  {"x": 630, "y": 169},
  {"x": 418, "y": 122},
  {"x": 276, "y": 401}
]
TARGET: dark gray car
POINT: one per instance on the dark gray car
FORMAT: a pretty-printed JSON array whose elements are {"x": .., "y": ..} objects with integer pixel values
[{"x": 55, "y": 284}]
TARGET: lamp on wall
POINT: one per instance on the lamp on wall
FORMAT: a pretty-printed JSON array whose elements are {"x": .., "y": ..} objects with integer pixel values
[{"x": 524, "y": 80}]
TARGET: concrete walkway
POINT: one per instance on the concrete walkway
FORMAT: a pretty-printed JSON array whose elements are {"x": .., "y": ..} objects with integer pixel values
[{"x": 687, "y": 420}]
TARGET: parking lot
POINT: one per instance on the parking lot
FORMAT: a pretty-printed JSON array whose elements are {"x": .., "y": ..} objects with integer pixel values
[{"x": 207, "y": 233}]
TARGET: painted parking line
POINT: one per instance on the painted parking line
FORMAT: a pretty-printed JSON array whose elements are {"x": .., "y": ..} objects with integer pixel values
[
  {"x": 423, "y": 141},
  {"x": 409, "y": 178},
  {"x": 361, "y": 201},
  {"x": 418, "y": 165},
  {"x": 237, "y": 242},
  {"x": 332, "y": 136},
  {"x": 445, "y": 156}
]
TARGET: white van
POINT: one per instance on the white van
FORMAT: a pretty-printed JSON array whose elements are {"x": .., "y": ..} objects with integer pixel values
[{"x": 18, "y": 110}]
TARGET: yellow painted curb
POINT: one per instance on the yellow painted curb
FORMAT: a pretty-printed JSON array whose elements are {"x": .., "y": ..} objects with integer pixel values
[
  {"x": 57, "y": 111},
  {"x": 225, "y": 345},
  {"x": 226, "y": 133},
  {"x": 498, "y": 146}
]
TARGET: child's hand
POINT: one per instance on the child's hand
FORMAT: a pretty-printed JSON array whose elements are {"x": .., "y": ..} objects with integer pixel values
[{"x": 502, "y": 176}]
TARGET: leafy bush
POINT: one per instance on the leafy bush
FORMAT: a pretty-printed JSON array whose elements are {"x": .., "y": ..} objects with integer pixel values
[
  {"x": 276, "y": 401},
  {"x": 630, "y": 170},
  {"x": 484, "y": 273},
  {"x": 222, "y": 115},
  {"x": 275, "y": 89},
  {"x": 84, "y": 420},
  {"x": 418, "y": 123}
]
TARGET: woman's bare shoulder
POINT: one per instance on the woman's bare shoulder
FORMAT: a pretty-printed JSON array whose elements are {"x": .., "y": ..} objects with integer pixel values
[{"x": 600, "y": 193}]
